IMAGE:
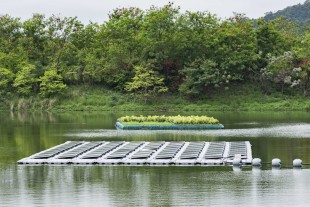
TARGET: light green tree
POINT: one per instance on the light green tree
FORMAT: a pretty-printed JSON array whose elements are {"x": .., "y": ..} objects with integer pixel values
[
  {"x": 6, "y": 77},
  {"x": 146, "y": 83},
  {"x": 25, "y": 80},
  {"x": 51, "y": 84}
]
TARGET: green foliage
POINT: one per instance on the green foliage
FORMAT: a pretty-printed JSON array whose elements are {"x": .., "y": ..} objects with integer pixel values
[
  {"x": 302, "y": 72},
  {"x": 235, "y": 51},
  {"x": 201, "y": 75},
  {"x": 148, "y": 52},
  {"x": 25, "y": 80},
  {"x": 6, "y": 78},
  {"x": 304, "y": 48},
  {"x": 170, "y": 119},
  {"x": 10, "y": 32},
  {"x": 147, "y": 123},
  {"x": 12, "y": 61},
  {"x": 240, "y": 97},
  {"x": 283, "y": 70},
  {"x": 274, "y": 38},
  {"x": 51, "y": 84},
  {"x": 298, "y": 13},
  {"x": 146, "y": 83}
]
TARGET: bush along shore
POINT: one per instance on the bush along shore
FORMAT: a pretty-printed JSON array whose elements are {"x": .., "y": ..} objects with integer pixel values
[
  {"x": 168, "y": 122},
  {"x": 94, "y": 98}
]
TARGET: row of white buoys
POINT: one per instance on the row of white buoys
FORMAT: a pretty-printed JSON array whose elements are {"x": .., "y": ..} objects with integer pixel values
[{"x": 276, "y": 162}]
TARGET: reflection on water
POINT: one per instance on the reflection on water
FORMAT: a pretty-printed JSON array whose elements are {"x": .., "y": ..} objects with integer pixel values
[
  {"x": 153, "y": 186},
  {"x": 283, "y": 130},
  {"x": 282, "y": 135}
]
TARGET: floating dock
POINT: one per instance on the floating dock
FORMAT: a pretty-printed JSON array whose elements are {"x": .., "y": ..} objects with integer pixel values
[{"x": 143, "y": 153}]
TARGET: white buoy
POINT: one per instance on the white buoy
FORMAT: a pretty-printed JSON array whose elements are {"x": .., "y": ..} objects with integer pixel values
[
  {"x": 297, "y": 163},
  {"x": 276, "y": 162},
  {"x": 236, "y": 161},
  {"x": 256, "y": 162}
]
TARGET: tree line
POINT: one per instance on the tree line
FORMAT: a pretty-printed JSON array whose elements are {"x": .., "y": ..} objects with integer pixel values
[{"x": 146, "y": 52}]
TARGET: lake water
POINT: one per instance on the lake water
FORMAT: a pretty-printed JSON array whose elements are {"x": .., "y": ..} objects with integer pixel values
[{"x": 282, "y": 135}]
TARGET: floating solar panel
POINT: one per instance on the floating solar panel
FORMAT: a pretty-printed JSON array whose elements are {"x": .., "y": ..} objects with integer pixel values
[
  {"x": 143, "y": 153},
  {"x": 125, "y": 150},
  {"x": 215, "y": 150},
  {"x": 237, "y": 148},
  {"x": 170, "y": 150},
  {"x": 56, "y": 150},
  {"x": 193, "y": 150},
  {"x": 102, "y": 150},
  {"x": 79, "y": 150},
  {"x": 147, "y": 150}
]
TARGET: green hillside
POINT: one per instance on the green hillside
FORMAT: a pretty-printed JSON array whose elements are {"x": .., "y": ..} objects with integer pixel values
[{"x": 299, "y": 13}]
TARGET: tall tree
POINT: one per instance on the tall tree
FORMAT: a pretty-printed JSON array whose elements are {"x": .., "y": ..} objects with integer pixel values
[
  {"x": 26, "y": 80},
  {"x": 34, "y": 39},
  {"x": 118, "y": 47},
  {"x": 61, "y": 51},
  {"x": 10, "y": 32}
]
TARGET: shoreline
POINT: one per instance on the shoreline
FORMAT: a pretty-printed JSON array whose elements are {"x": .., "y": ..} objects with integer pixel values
[{"x": 92, "y": 98}]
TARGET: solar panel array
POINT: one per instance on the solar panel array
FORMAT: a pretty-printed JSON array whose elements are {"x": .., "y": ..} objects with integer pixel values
[{"x": 152, "y": 153}]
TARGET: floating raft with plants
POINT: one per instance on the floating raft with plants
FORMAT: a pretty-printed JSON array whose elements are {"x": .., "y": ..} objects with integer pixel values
[
  {"x": 168, "y": 123},
  {"x": 144, "y": 153}
]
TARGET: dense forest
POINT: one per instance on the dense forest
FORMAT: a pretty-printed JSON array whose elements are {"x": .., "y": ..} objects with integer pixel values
[
  {"x": 299, "y": 13},
  {"x": 153, "y": 51}
]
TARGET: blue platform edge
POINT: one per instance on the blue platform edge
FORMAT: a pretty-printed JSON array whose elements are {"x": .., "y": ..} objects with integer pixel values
[{"x": 119, "y": 125}]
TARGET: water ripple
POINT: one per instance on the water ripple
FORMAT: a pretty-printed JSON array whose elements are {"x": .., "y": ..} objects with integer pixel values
[{"x": 284, "y": 130}]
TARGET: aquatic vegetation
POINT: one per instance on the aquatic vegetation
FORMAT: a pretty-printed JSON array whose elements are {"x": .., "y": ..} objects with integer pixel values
[{"x": 165, "y": 120}]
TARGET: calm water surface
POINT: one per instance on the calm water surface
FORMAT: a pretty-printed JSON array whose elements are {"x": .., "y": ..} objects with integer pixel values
[{"x": 282, "y": 135}]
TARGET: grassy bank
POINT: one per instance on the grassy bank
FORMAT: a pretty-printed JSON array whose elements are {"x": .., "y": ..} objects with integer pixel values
[{"x": 94, "y": 98}]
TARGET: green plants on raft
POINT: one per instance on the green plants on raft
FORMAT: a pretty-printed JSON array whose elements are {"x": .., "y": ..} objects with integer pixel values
[{"x": 179, "y": 120}]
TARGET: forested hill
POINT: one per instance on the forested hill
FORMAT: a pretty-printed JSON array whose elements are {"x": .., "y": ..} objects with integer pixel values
[
  {"x": 144, "y": 53},
  {"x": 299, "y": 13}
]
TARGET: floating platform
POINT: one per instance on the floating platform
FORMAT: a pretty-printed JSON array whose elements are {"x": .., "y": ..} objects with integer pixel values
[
  {"x": 143, "y": 153},
  {"x": 141, "y": 126}
]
